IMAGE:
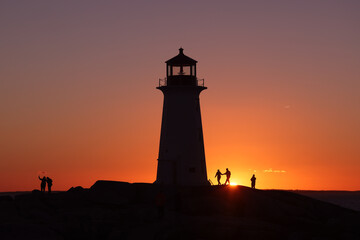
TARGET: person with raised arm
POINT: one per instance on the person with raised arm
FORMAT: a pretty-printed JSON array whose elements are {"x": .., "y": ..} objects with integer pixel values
[{"x": 43, "y": 183}]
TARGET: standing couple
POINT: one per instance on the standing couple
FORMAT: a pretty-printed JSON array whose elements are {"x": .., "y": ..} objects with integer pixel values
[
  {"x": 218, "y": 176},
  {"x": 45, "y": 180}
]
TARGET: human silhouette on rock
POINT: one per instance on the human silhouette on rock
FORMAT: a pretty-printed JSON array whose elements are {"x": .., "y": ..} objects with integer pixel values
[
  {"x": 228, "y": 174},
  {"x": 253, "y": 181},
  {"x": 49, "y": 183},
  {"x": 43, "y": 183},
  {"x": 218, "y": 176}
]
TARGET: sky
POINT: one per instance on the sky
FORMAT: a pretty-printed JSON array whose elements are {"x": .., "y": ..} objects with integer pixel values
[{"x": 78, "y": 97}]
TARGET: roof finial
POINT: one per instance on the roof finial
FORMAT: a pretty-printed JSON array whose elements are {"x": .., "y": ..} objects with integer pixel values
[{"x": 181, "y": 50}]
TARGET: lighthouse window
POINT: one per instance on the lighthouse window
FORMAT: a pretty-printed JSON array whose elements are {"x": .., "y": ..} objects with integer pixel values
[
  {"x": 177, "y": 70},
  {"x": 168, "y": 71},
  {"x": 192, "y": 170},
  {"x": 186, "y": 70}
]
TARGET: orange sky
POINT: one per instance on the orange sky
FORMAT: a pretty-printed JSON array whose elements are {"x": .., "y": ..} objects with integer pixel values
[{"x": 78, "y": 97}]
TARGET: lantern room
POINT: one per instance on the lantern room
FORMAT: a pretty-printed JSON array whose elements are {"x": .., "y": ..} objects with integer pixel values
[{"x": 181, "y": 70}]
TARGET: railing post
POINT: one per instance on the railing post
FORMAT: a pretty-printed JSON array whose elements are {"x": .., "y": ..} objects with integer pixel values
[
  {"x": 162, "y": 82},
  {"x": 200, "y": 82}
]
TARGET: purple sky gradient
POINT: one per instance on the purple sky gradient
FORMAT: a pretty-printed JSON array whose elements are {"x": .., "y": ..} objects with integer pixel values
[{"x": 78, "y": 97}]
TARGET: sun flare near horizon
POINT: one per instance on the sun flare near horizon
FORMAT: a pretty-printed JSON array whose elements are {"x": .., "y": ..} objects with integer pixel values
[{"x": 234, "y": 184}]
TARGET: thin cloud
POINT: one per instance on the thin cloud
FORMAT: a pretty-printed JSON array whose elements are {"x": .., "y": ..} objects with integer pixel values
[{"x": 270, "y": 170}]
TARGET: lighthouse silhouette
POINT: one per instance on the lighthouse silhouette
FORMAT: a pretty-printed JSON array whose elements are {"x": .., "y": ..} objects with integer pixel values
[{"x": 181, "y": 158}]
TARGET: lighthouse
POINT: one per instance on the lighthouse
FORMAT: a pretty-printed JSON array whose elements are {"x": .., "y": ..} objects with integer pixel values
[{"x": 181, "y": 159}]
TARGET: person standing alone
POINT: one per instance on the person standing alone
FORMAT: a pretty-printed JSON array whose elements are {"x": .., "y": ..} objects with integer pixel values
[{"x": 253, "y": 181}]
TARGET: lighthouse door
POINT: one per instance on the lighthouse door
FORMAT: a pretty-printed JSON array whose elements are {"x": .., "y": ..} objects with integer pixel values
[{"x": 174, "y": 172}]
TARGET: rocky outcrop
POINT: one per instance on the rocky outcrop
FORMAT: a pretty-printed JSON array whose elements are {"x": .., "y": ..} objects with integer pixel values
[{"x": 120, "y": 210}]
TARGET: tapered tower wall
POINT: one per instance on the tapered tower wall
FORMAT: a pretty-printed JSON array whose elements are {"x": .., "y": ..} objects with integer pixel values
[{"x": 181, "y": 158}]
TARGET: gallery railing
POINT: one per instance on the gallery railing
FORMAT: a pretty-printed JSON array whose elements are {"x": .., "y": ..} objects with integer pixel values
[{"x": 163, "y": 82}]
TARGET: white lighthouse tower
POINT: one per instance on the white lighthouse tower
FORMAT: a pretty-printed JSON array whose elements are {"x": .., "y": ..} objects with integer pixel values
[{"x": 181, "y": 155}]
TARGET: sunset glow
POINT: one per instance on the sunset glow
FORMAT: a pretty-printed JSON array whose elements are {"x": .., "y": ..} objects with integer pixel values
[{"x": 78, "y": 95}]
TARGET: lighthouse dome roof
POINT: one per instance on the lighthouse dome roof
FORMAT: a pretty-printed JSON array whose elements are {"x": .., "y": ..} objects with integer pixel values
[{"x": 181, "y": 59}]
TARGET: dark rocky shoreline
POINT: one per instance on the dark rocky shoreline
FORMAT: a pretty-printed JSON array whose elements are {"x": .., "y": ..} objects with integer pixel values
[{"x": 119, "y": 210}]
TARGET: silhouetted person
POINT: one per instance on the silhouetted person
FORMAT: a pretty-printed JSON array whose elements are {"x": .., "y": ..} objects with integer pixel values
[
  {"x": 43, "y": 183},
  {"x": 160, "y": 204},
  {"x": 228, "y": 174},
  {"x": 253, "y": 181},
  {"x": 49, "y": 183},
  {"x": 218, "y": 176}
]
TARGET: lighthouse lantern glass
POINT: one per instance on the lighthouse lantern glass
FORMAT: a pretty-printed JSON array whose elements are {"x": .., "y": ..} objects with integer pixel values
[{"x": 181, "y": 70}]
